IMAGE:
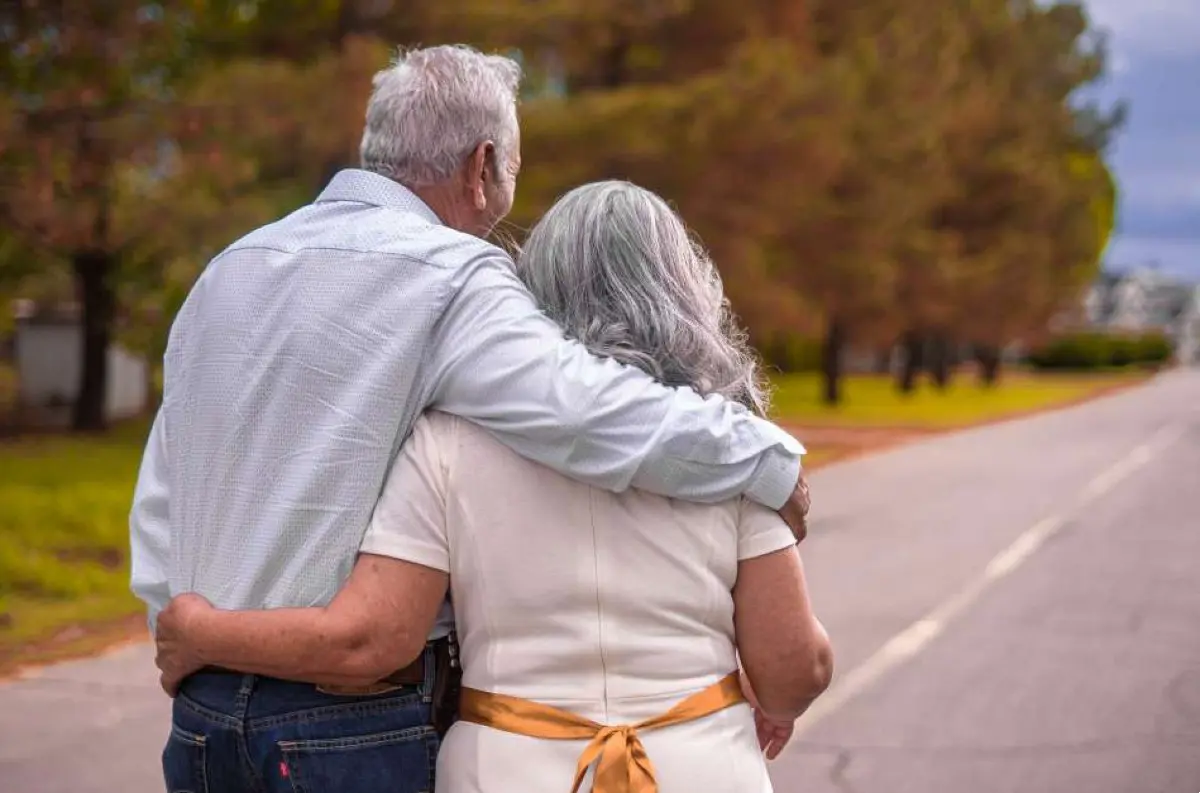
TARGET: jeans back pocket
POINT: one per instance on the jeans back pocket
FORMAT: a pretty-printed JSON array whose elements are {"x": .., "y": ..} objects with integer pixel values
[
  {"x": 184, "y": 762},
  {"x": 398, "y": 761}
]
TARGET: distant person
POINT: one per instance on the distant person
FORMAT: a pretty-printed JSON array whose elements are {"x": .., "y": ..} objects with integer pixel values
[
  {"x": 300, "y": 363},
  {"x": 576, "y": 607}
]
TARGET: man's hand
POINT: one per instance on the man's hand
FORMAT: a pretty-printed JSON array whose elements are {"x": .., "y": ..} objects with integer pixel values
[
  {"x": 795, "y": 511},
  {"x": 773, "y": 735},
  {"x": 177, "y": 657}
]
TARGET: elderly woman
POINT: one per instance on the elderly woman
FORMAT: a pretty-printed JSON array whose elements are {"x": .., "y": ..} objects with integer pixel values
[{"x": 600, "y": 633}]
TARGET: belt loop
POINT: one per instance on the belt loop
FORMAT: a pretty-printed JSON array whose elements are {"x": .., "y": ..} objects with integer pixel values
[
  {"x": 241, "y": 702},
  {"x": 430, "y": 664}
]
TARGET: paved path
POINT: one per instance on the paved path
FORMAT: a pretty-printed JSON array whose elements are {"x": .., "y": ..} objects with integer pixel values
[{"x": 1015, "y": 608}]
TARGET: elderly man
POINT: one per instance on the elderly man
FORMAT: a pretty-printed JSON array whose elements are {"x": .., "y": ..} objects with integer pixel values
[{"x": 297, "y": 367}]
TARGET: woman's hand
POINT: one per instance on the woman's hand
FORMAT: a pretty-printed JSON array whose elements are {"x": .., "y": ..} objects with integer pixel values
[
  {"x": 773, "y": 735},
  {"x": 177, "y": 657}
]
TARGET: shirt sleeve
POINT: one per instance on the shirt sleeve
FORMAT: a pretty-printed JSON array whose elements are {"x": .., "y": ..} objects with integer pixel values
[
  {"x": 409, "y": 521},
  {"x": 761, "y": 531},
  {"x": 150, "y": 524},
  {"x": 498, "y": 362}
]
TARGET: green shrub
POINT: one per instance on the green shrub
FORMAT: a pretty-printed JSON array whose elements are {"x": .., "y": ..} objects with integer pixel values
[
  {"x": 1123, "y": 351},
  {"x": 1154, "y": 348},
  {"x": 1075, "y": 351},
  {"x": 1087, "y": 351}
]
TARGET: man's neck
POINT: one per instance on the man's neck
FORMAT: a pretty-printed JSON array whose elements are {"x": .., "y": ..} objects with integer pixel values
[{"x": 447, "y": 204}]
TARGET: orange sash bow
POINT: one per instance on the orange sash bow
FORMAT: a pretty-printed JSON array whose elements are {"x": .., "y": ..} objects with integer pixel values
[{"x": 623, "y": 766}]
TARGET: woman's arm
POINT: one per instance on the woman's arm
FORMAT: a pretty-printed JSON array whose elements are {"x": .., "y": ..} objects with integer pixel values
[
  {"x": 784, "y": 649},
  {"x": 376, "y": 624}
]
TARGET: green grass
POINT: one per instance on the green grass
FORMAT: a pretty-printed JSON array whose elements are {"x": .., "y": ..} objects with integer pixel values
[
  {"x": 64, "y": 506},
  {"x": 873, "y": 401}
]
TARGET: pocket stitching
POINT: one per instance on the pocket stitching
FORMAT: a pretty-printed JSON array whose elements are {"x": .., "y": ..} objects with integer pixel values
[
  {"x": 292, "y": 750},
  {"x": 195, "y": 741},
  {"x": 432, "y": 748},
  {"x": 190, "y": 738},
  {"x": 317, "y": 745}
]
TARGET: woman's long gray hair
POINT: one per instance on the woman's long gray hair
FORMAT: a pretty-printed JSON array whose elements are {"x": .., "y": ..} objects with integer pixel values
[{"x": 615, "y": 266}]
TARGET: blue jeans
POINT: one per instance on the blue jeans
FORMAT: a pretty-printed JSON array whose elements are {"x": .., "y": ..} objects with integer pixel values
[{"x": 248, "y": 734}]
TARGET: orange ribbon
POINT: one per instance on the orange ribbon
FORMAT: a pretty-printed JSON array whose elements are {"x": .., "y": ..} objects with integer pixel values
[{"x": 623, "y": 765}]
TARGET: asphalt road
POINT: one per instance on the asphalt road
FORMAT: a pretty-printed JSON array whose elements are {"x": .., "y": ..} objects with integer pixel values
[{"x": 1015, "y": 608}]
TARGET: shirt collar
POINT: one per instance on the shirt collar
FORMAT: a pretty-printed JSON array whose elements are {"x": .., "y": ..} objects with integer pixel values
[{"x": 365, "y": 187}]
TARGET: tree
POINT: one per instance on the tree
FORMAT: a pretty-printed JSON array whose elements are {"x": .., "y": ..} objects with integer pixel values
[
  {"x": 722, "y": 131},
  {"x": 311, "y": 63},
  {"x": 90, "y": 99},
  {"x": 131, "y": 170},
  {"x": 867, "y": 253},
  {"x": 1028, "y": 216},
  {"x": 869, "y": 171}
]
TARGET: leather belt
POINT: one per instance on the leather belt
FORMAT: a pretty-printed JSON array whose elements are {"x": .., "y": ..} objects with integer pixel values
[{"x": 411, "y": 675}]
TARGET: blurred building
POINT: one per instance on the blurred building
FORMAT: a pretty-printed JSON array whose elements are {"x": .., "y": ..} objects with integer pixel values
[
  {"x": 47, "y": 357},
  {"x": 1143, "y": 301}
]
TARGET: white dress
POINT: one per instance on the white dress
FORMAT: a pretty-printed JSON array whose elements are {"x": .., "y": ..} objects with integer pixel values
[{"x": 611, "y": 606}]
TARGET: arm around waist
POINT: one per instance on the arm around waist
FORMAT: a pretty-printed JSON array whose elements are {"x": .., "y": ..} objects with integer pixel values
[{"x": 376, "y": 624}]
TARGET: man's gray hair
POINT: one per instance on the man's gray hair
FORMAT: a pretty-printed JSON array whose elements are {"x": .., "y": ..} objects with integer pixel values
[
  {"x": 433, "y": 106},
  {"x": 616, "y": 268}
]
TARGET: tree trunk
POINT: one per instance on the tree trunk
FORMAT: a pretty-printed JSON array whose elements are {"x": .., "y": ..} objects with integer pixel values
[
  {"x": 612, "y": 69},
  {"x": 988, "y": 358},
  {"x": 883, "y": 360},
  {"x": 831, "y": 361},
  {"x": 913, "y": 346},
  {"x": 940, "y": 363},
  {"x": 93, "y": 270}
]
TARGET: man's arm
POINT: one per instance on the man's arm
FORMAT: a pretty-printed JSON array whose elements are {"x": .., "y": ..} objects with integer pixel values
[
  {"x": 150, "y": 524},
  {"x": 500, "y": 363}
]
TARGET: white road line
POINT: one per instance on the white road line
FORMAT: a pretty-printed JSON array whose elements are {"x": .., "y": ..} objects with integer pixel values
[{"x": 917, "y": 636}]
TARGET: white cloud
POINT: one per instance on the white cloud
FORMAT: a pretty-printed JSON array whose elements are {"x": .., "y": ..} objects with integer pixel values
[
  {"x": 1179, "y": 257},
  {"x": 1149, "y": 27},
  {"x": 1155, "y": 57},
  {"x": 1159, "y": 169},
  {"x": 1163, "y": 188}
]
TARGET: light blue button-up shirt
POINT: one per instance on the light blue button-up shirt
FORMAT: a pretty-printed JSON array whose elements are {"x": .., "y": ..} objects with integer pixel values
[{"x": 306, "y": 351}]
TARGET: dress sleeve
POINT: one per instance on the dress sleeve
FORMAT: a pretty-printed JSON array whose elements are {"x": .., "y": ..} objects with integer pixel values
[
  {"x": 409, "y": 521},
  {"x": 761, "y": 531}
]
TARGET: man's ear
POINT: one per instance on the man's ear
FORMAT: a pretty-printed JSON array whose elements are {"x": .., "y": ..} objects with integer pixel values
[{"x": 480, "y": 170}]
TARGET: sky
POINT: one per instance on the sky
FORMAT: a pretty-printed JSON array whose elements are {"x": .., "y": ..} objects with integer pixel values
[{"x": 1155, "y": 67}]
